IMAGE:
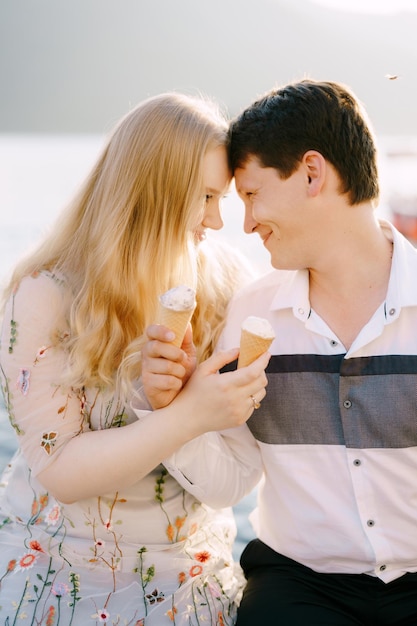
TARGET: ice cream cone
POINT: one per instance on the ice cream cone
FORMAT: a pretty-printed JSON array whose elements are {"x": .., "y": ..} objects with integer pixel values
[
  {"x": 177, "y": 321},
  {"x": 176, "y": 308},
  {"x": 253, "y": 344}
]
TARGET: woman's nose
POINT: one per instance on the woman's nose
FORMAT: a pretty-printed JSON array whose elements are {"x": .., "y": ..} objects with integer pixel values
[{"x": 212, "y": 217}]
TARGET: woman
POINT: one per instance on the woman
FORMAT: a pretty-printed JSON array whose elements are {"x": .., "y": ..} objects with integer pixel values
[{"x": 93, "y": 529}]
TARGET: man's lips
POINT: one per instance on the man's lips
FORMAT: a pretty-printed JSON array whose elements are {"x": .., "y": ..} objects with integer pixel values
[{"x": 265, "y": 236}]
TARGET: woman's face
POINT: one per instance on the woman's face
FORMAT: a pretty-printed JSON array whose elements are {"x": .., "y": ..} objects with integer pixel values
[{"x": 216, "y": 180}]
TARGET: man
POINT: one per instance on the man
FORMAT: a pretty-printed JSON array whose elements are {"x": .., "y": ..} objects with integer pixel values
[{"x": 336, "y": 520}]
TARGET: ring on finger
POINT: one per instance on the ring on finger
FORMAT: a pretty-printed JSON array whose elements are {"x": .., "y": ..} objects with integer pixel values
[{"x": 256, "y": 404}]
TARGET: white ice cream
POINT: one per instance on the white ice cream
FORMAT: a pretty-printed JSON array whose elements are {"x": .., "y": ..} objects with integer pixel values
[
  {"x": 258, "y": 326},
  {"x": 181, "y": 298}
]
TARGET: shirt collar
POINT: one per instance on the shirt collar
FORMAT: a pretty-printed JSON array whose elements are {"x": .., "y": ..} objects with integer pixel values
[
  {"x": 402, "y": 287},
  {"x": 294, "y": 294}
]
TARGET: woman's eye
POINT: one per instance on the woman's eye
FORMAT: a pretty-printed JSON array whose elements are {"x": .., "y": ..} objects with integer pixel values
[{"x": 208, "y": 197}]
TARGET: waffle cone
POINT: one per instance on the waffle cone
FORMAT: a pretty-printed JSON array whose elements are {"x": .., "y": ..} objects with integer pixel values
[
  {"x": 251, "y": 346},
  {"x": 177, "y": 321}
]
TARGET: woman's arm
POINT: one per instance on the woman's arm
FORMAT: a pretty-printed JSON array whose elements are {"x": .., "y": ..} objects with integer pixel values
[
  {"x": 96, "y": 462},
  {"x": 218, "y": 468},
  {"x": 72, "y": 461}
]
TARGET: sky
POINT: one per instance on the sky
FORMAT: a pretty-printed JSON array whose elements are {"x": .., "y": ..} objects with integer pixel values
[
  {"x": 370, "y": 6},
  {"x": 78, "y": 67}
]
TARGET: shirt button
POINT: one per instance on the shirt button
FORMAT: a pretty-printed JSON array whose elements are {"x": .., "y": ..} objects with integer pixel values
[
  {"x": 333, "y": 343},
  {"x": 347, "y": 404},
  {"x": 357, "y": 462},
  {"x": 370, "y": 522},
  {"x": 382, "y": 568},
  {"x": 301, "y": 311},
  {"x": 391, "y": 311}
]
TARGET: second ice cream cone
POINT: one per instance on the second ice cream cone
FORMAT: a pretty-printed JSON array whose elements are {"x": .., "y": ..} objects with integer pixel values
[{"x": 255, "y": 339}]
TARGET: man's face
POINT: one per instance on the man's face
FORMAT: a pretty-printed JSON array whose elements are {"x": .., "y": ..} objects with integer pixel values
[{"x": 278, "y": 210}]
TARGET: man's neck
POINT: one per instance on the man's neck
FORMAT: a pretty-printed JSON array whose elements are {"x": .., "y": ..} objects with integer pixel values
[{"x": 347, "y": 290}]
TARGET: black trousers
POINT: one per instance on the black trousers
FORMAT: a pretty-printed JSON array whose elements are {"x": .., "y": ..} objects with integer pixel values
[{"x": 281, "y": 592}]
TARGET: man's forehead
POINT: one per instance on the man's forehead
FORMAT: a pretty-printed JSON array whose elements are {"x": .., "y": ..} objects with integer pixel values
[{"x": 249, "y": 172}]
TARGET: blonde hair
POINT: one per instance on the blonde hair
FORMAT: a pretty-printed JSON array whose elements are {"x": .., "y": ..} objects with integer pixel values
[{"x": 127, "y": 237}]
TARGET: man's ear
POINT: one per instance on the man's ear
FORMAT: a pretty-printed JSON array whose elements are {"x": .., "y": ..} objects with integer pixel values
[{"x": 315, "y": 171}]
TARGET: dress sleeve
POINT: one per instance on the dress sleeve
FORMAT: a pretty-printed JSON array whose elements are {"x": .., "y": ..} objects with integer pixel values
[
  {"x": 218, "y": 468},
  {"x": 33, "y": 358}
]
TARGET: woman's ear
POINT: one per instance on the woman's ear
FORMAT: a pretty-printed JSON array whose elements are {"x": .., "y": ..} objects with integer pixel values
[{"x": 315, "y": 170}]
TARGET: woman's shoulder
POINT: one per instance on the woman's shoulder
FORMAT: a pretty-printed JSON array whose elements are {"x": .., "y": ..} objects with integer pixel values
[
  {"x": 43, "y": 292},
  {"x": 43, "y": 280}
]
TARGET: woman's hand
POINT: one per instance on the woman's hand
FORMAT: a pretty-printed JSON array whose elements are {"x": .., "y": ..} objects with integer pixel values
[
  {"x": 165, "y": 367},
  {"x": 214, "y": 401}
]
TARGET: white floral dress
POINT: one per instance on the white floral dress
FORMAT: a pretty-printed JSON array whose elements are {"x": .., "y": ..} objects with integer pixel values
[{"x": 148, "y": 555}]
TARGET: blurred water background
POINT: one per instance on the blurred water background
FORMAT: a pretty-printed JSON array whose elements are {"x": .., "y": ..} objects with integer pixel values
[{"x": 40, "y": 173}]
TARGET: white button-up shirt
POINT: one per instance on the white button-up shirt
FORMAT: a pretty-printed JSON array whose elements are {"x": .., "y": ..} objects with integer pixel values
[{"x": 336, "y": 434}]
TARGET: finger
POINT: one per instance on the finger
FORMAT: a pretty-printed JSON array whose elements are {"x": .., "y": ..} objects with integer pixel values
[
  {"x": 187, "y": 343},
  {"x": 160, "y": 332},
  {"x": 160, "y": 366},
  {"x": 258, "y": 394},
  {"x": 161, "y": 382},
  {"x": 156, "y": 349},
  {"x": 219, "y": 360},
  {"x": 258, "y": 365}
]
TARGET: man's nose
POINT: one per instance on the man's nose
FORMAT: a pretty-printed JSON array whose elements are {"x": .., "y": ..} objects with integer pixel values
[{"x": 250, "y": 223}]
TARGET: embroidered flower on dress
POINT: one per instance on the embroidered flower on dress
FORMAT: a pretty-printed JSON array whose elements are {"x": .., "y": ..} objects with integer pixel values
[
  {"x": 108, "y": 525},
  {"x": 99, "y": 543},
  {"x": 170, "y": 532},
  {"x": 50, "y": 620},
  {"x": 26, "y": 561},
  {"x": 48, "y": 441},
  {"x": 196, "y": 570},
  {"x": 41, "y": 354},
  {"x": 214, "y": 589},
  {"x": 203, "y": 556},
  {"x": 83, "y": 402},
  {"x": 101, "y": 615},
  {"x": 155, "y": 596},
  {"x": 22, "y": 382},
  {"x": 53, "y": 515},
  {"x": 11, "y": 565},
  {"x": 35, "y": 545},
  {"x": 60, "y": 589},
  {"x": 171, "y": 613},
  {"x": 180, "y": 521}
]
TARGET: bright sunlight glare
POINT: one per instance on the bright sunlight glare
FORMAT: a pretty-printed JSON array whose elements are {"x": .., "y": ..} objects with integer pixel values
[{"x": 370, "y": 6}]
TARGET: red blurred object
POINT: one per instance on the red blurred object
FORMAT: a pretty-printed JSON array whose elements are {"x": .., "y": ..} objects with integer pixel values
[
  {"x": 404, "y": 214},
  {"x": 406, "y": 224}
]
